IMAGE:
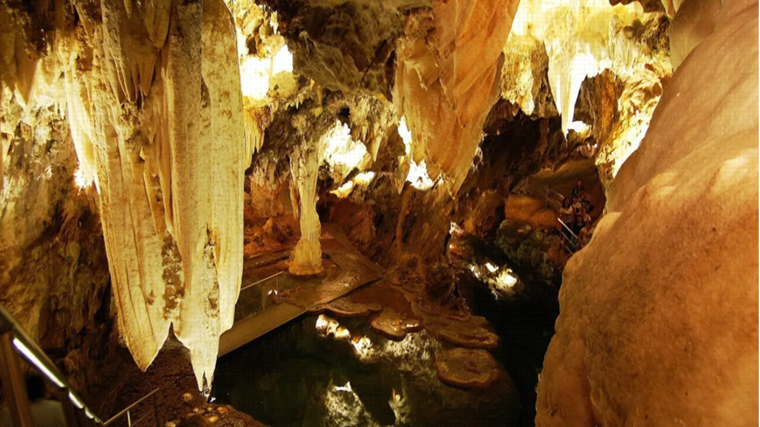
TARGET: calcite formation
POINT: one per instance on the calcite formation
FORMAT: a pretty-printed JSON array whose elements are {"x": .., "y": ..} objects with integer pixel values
[
  {"x": 344, "y": 45},
  {"x": 447, "y": 78},
  {"x": 152, "y": 95},
  {"x": 53, "y": 269},
  {"x": 648, "y": 340},
  {"x": 306, "y": 259},
  {"x": 564, "y": 44}
]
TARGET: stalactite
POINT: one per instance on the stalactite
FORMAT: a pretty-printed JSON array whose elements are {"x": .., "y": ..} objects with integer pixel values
[
  {"x": 447, "y": 79},
  {"x": 163, "y": 132},
  {"x": 133, "y": 247},
  {"x": 77, "y": 97},
  {"x": 226, "y": 153},
  {"x": 129, "y": 54}
]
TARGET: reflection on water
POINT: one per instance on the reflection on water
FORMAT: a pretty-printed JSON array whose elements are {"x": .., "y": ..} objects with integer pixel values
[{"x": 295, "y": 377}]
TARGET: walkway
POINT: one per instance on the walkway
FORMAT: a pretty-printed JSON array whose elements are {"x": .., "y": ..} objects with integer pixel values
[{"x": 270, "y": 297}]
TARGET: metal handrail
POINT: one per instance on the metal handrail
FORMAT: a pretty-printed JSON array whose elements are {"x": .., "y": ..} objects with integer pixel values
[
  {"x": 564, "y": 237},
  {"x": 567, "y": 228},
  {"x": 250, "y": 285},
  {"x": 14, "y": 337},
  {"x": 125, "y": 410},
  {"x": 33, "y": 354}
]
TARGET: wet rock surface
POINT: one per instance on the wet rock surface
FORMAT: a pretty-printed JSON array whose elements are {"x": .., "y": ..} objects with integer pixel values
[{"x": 393, "y": 325}]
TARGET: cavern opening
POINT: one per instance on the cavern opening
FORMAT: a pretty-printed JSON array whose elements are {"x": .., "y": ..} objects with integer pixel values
[{"x": 378, "y": 213}]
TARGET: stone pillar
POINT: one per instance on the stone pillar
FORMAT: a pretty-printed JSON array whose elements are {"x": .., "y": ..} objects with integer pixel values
[{"x": 307, "y": 256}]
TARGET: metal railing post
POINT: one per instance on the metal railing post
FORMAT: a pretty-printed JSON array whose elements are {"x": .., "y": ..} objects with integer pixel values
[
  {"x": 155, "y": 410},
  {"x": 14, "y": 384}
]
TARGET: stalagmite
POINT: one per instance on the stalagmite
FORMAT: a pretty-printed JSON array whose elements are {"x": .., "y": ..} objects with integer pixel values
[
  {"x": 307, "y": 256},
  {"x": 447, "y": 79}
]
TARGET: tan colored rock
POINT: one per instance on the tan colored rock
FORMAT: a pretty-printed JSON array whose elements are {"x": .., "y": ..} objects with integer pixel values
[
  {"x": 466, "y": 368},
  {"x": 447, "y": 79},
  {"x": 345, "y": 307},
  {"x": 659, "y": 314},
  {"x": 166, "y": 143},
  {"x": 394, "y": 325},
  {"x": 307, "y": 256}
]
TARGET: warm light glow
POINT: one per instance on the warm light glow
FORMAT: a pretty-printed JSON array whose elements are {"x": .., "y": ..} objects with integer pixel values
[
  {"x": 418, "y": 174},
  {"x": 455, "y": 229},
  {"x": 346, "y": 388},
  {"x": 341, "y": 152},
  {"x": 283, "y": 61},
  {"x": 75, "y": 400},
  {"x": 492, "y": 268},
  {"x": 364, "y": 178},
  {"x": 344, "y": 190},
  {"x": 342, "y": 333},
  {"x": 328, "y": 326},
  {"x": 362, "y": 346},
  {"x": 80, "y": 179},
  {"x": 406, "y": 136},
  {"x": 254, "y": 77},
  {"x": 506, "y": 280},
  {"x": 578, "y": 127},
  {"x": 256, "y": 73},
  {"x": 321, "y": 321}
]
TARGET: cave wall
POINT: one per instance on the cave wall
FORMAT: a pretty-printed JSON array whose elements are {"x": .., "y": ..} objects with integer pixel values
[
  {"x": 658, "y": 318},
  {"x": 53, "y": 270}
]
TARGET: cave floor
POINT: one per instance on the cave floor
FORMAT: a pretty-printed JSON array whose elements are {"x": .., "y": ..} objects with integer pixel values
[{"x": 270, "y": 297}]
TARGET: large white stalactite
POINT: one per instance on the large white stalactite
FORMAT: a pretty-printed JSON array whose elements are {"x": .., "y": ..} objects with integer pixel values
[{"x": 159, "y": 118}]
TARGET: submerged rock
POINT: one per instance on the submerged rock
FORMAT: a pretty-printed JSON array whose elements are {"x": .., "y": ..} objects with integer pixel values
[{"x": 466, "y": 368}]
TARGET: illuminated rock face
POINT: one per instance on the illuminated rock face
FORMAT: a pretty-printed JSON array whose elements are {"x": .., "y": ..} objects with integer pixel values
[
  {"x": 152, "y": 95},
  {"x": 447, "y": 79},
  {"x": 583, "y": 40},
  {"x": 658, "y": 314}
]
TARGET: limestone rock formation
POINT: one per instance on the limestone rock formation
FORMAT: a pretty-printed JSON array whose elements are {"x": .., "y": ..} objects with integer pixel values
[
  {"x": 53, "y": 268},
  {"x": 152, "y": 94},
  {"x": 344, "y": 45},
  {"x": 307, "y": 256},
  {"x": 659, "y": 312},
  {"x": 447, "y": 79}
]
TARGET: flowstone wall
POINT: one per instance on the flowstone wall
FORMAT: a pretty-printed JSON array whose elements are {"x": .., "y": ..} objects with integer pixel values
[{"x": 658, "y": 319}]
